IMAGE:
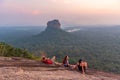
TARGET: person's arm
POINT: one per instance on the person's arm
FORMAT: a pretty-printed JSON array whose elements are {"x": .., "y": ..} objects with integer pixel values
[
  {"x": 83, "y": 72},
  {"x": 67, "y": 62},
  {"x": 86, "y": 65}
]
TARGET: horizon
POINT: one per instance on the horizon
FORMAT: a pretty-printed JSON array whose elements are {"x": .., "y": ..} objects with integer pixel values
[
  {"x": 63, "y": 27},
  {"x": 69, "y": 12}
]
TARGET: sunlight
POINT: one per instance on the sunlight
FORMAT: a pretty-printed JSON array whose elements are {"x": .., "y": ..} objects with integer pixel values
[{"x": 35, "y": 12}]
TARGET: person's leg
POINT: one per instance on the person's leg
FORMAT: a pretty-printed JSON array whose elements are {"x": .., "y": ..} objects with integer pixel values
[
  {"x": 84, "y": 69},
  {"x": 79, "y": 68}
]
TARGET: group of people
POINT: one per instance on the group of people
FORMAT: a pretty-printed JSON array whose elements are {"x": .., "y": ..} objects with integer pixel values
[{"x": 80, "y": 65}]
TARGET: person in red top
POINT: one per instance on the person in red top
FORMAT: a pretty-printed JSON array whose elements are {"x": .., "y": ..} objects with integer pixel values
[{"x": 46, "y": 60}]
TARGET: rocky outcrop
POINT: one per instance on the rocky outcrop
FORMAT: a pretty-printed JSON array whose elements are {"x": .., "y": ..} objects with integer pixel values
[
  {"x": 54, "y": 24},
  {"x": 27, "y": 70}
]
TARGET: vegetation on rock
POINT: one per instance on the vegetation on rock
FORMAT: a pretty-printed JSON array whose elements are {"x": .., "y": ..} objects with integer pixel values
[{"x": 9, "y": 51}]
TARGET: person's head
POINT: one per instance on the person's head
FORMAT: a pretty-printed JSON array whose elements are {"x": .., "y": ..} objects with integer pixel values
[
  {"x": 43, "y": 58},
  {"x": 65, "y": 58},
  {"x": 80, "y": 60}
]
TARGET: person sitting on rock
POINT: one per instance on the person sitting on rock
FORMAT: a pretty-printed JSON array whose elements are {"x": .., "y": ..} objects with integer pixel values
[
  {"x": 82, "y": 66},
  {"x": 65, "y": 61}
]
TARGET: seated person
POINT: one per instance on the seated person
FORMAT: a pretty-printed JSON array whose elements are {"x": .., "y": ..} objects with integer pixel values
[
  {"x": 46, "y": 60},
  {"x": 65, "y": 61},
  {"x": 82, "y": 66}
]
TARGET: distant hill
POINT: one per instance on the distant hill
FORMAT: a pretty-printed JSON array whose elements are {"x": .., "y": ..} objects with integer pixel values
[{"x": 52, "y": 37}]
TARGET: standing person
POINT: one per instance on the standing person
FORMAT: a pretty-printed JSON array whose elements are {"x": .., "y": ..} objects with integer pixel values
[
  {"x": 82, "y": 66},
  {"x": 65, "y": 61}
]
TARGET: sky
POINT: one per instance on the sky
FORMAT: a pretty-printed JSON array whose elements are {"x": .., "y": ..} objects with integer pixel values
[{"x": 69, "y": 12}]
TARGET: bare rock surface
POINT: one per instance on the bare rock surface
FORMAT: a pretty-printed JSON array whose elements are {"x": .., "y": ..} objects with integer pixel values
[
  {"x": 54, "y": 24},
  {"x": 25, "y": 71}
]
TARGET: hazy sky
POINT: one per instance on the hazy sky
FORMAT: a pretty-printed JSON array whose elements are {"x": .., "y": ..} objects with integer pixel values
[{"x": 69, "y": 12}]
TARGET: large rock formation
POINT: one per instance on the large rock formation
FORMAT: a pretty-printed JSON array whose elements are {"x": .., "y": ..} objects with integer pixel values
[
  {"x": 34, "y": 70},
  {"x": 54, "y": 24}
]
